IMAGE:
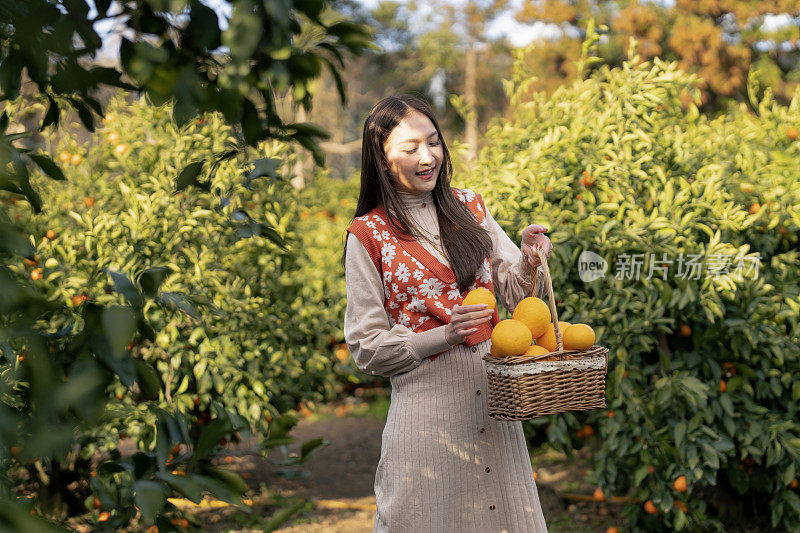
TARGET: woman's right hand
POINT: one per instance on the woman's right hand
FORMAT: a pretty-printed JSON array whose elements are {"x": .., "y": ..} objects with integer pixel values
[{"x": 465, "y": 321}]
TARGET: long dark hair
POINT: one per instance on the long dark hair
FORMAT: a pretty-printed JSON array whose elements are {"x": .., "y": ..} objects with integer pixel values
[{"x": 466, "y": 243}]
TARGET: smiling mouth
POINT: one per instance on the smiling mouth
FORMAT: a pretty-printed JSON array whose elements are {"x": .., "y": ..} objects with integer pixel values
[{"x": 426, "y": 173}]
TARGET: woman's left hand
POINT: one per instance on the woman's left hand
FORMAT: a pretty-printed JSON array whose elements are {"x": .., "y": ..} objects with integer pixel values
[{"x": 534, "y": 237}]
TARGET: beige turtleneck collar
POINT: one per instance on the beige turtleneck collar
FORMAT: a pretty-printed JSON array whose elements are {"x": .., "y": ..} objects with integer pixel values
[{"x": 416, "y": 201}]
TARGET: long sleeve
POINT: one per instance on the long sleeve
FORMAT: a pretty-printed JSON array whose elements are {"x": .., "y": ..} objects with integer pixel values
[
  {"x": 511, "y": 271},
  {"x": 377, "y": 347}
]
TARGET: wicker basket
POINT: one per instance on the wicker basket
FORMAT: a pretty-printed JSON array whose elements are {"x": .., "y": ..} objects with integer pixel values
[{"x": 523, "y": 387}]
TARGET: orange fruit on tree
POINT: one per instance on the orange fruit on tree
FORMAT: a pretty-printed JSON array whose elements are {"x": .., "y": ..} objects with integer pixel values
[
  {"x": 36, "y": 274},
  {"x": 598, "y": 495},
  {"x": 104, "y": 516},
  {"x": 64, "y": 157},
  {"x": 96, "y": 503},
  {"x": 684, "y": 330},
  {"x": 511, "y": 337},
  {"x": 792, "y": 132},
  {"x": 50, "y": 234},
  {"x": 651, "y": 469},
  {"x": 113, "y": 137},
  {"x": 680, "y": 505},
  {"x": 481, "y": 295},
  {"x": 649, "y": 508},
  {"x": 88, "y": 201},
  {"x": 109, "y": 118},
  {"x": 588, "y": 431},
  {"x": 723, "y": 386},
  {"x": 587, "y": 180},
  {"x": 680, "y": 484},
  {"x": 578, "y": 337},
  {"x": 534, "y": 313},
  {"x": 78, "y": 299},
  {"x": 76, "y": 159},
  {"x": 793, "y": 484},
  {"x": 612, "y": 529},
  {"x": 121, "y": 148},
  {"x": 754, "y": 208}
]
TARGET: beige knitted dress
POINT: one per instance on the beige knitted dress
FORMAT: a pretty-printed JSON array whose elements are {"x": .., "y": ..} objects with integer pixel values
[{"x": 445, "y": 465}]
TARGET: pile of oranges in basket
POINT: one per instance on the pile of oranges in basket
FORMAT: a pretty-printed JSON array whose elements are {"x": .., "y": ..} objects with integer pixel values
[{"x": 530, "y": 331}]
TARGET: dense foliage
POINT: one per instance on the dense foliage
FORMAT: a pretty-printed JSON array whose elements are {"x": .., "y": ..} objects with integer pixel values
[{"x": 703, "y": 363}]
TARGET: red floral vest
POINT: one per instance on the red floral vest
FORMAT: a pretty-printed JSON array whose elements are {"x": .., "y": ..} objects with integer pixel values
[{"x": 420, "y": 291}]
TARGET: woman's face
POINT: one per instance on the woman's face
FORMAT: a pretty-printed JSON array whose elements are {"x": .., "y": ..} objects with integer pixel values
[{"x": 414, "y": 152}]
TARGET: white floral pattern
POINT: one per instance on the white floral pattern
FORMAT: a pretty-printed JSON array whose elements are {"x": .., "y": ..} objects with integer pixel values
[{"x": 402, "y": 272}]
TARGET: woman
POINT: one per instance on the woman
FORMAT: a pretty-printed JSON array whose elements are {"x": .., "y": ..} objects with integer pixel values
[{"x": 415, "y": 248}]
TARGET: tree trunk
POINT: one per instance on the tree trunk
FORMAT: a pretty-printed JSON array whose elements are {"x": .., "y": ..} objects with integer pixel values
[
  {"x": 298, "y": 180},
  {"x": 471, "y": 99}
]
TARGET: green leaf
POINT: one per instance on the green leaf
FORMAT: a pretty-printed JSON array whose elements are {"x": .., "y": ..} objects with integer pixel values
[
  {"x": 210, "y": 437},
  {"x": 188, "y": 175},
  {"x": 177, "y": 301},
  {"x": 308, "y": 448},
  {"x": 232, "y": 480},
  {"x": 126, "y": 287},
  {"x": 151, "y": 279},
  {"x": 52, "y": 115},
  {"x": 48, "y": 166},
  {"x": 149, "y": 497},
  {"x": 148, "y": 379},
  {"x": 184, "y": 485}
]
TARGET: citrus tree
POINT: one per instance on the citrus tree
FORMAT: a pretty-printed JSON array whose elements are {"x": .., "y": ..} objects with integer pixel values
[
  {"x": 695, "y": 220},
  {"x": 127, "y": 310}
]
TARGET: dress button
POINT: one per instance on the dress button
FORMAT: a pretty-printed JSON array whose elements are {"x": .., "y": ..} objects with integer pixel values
[
  {"x": 474, "y": 349},
  {"x": 436, "y": 237},
  {"x": 491, "y": 507},
  {"x": 424, "y": 204},
  {"x": 488, "y": 469},
  {"x": 478, "y": 392},
  {"x": 482, "y": 430}
]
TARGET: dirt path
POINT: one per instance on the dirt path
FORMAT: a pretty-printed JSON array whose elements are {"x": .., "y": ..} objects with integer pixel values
[{"x": 338, "y": 481}]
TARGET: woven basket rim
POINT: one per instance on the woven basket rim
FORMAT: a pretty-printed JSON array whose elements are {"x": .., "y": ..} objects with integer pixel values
[{"x": 593, "y": 351}]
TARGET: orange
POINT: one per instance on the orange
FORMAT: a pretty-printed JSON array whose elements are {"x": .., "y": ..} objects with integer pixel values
[
  {"x": 96, "y": 503},
  {"x": 88, "y": 201},
  {"x": 578, "y": 337},
  {"x": 64, "y": 157},
  {"x": 50, "y": 234},
  {"x": 121, "y": 149},
  {"x": 480, "y": 295},
  {"x": 536, "y": 350},
  {"x": 754, "y": 208},
  {"x": 598, "y": 495},
  {"x": 723, "y": 386},
  {"x": 534, "y": 313},
  {"x": 548, "y": 338},
  {"x": 793, "y": 484},
  {"x": 680, "y": 484},
  {"x": 649, "y": 508},
  {"x": 76, "y": 159},
  {"x": 511, "y": 337},
  {"x": 612, "y": 529},
  {"x": 685, "y": 330},
  {"x": 104, "y": 516},
  {"x": 113, "y": 137},
  {"x": 792, "y": 133},
  {"x": 36, "y": 274}
]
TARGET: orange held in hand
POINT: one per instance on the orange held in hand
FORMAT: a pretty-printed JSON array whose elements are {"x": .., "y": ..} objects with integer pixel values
[
  {"x": 534, "y": 313},
  {"x": 480, "y": 295},
  {"x": 511, "y": 337}
]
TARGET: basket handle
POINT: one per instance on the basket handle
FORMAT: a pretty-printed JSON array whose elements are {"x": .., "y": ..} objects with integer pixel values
[{"x": 550, "y": 296}]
